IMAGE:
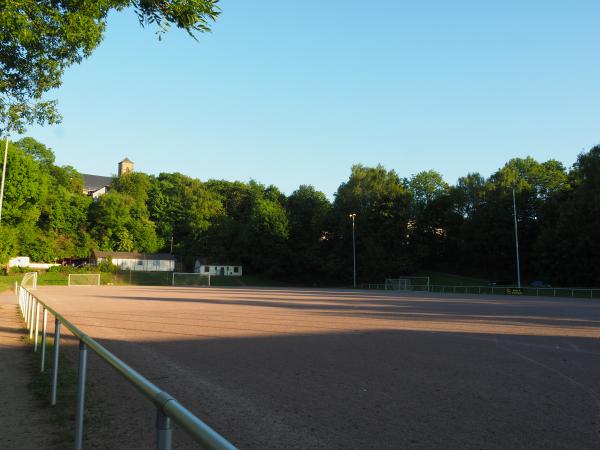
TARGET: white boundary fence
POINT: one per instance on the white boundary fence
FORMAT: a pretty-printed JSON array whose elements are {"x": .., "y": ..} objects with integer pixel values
[
  {"x": 189, "y": 274},
  {"x": 567, "y": 292},
  {"x": 168, "y": 409},
  {"x": 75, "y": 276},
  {"x": 407, "y": 284}
]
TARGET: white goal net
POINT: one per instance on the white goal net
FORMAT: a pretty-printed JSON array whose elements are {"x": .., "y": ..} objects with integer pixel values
[
  {"x": 29, "y": 280},
  {"x": 190, "y": 279},
  {"x": 84, "y": 279},
  {"x": 407, "y": 284}
]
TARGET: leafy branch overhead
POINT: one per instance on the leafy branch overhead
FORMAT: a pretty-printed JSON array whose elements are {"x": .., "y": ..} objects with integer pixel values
[{"x": 39, "y": 39}]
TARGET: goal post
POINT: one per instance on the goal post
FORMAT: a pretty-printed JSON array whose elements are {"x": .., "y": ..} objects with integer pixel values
[
  {"x": 407, "y": 284},
  {"x": 29, "y": 280},
  {"x": 83, "y": 279},
  {"x": 190, "y": 279}
]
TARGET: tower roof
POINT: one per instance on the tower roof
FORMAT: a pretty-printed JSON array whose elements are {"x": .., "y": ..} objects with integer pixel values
[{"x": 127, "y": 160}]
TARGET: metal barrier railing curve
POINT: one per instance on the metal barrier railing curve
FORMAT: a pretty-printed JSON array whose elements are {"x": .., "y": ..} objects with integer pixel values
[{"x": 168, "y": 409}]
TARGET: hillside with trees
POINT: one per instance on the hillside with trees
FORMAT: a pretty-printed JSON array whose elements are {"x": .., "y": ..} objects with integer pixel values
[{"x": 403, "y": 225}]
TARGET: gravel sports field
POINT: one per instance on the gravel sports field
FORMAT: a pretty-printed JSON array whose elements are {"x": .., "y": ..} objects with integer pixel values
[{"x": 321, "y": 368}]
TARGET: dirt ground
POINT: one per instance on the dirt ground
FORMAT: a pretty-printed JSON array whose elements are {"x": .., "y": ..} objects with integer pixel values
[
  {"x": 309, "y": 368},
  {"x": 25, "y": 423}
]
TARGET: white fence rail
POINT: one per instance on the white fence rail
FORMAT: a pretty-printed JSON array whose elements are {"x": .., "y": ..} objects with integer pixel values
[
  {"x": 498, "y": 290},
  {"x": 168, "y": 409}
]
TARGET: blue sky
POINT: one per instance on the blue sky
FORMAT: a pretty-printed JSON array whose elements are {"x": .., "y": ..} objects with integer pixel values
[{"x": 292, "y": 93}]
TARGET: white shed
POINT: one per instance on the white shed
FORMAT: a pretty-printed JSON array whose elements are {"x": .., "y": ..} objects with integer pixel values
[
  {"x": 139, "y": 262},
  {"x": 217, "y": 269}
]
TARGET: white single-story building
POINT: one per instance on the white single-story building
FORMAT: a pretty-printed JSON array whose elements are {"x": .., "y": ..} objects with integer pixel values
[
  {"x": 19, "y": 261},
  {"x": 24, "y": 261},
  {"x": 209, "y": 267},
  {"x": 140, "y": 262}
]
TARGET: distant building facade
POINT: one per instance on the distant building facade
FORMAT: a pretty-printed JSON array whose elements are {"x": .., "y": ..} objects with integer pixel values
[
  {"x": 214, "y": 269},
  {"x": 125, "y": 166},
  {"x": 25, "y": 261},
  {"x": 97, "y": 185},
  {"x": 139, "y": 262}
]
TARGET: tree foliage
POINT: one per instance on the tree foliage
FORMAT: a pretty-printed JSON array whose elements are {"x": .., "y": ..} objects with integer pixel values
[
  {"x": 39, "y": 39},
  {"x": 402, "y": 226}
]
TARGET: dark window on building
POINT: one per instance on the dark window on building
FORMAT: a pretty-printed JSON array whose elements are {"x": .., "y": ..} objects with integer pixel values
[
  {"x": 140, "y": 263},
  {"x": 236, "y": 269},
  {"x": 206, "y": 269}
]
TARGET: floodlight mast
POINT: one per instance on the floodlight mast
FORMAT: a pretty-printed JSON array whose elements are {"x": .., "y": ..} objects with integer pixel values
[
  {"x": 3, "y": 176},
  {"x": 353, "y": 216},
  {"x": 516, "y": 239}
]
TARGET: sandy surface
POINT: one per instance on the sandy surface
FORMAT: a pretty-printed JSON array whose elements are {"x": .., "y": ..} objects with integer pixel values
[
  {"x": 25, "y": 422},
  {"x": 307, "y": 368}
]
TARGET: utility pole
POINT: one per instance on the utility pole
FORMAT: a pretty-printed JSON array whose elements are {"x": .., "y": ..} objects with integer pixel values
[
  {"x": 171, "y": 244},
  {"x": 353, "y": 216},
  {"x": 3, "y": 176},
  {"x": 516, "y": 239}
]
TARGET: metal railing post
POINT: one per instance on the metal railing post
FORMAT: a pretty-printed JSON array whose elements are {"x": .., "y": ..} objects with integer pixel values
[
  {"x": 44, "y": 325},
  {"x": 80, "y": 408},
  {"x": 37, "y": 326},
  {"x": 164, "y": 431},
  {"x": 169, "y": 410},
  {"x": 31, "y": 324},
  {"x": 29, "y": 302},
  {"x": 27, "y": 308},
  {"x": 29, "y": 311},
  {"x": 55, "y": 362}
]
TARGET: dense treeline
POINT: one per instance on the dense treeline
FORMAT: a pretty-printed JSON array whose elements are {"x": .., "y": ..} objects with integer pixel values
[{"x": 403, "y": 225}]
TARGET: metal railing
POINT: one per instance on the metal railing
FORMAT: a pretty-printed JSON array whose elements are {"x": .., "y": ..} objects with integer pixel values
[
  {"x": 498, "y": 290},
  {"x": 168, "y": 409}
]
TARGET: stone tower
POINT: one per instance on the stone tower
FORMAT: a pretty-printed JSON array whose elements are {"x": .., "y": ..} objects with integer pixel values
[{"x": 125, "y": 166}]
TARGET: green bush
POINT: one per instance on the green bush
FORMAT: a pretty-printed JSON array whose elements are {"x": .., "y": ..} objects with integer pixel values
[{"x": 106, "y": 266}]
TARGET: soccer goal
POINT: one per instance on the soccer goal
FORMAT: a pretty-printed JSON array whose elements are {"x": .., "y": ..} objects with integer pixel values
[
  {"x": 29, "y": 280},
  {"x": 407, "y": 284},
  {"x": 84, "y": 279},
  {"x": 190, "y": 279}
]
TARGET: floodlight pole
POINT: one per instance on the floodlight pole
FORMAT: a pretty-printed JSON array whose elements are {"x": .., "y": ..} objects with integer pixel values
[
  {"x": 353, "y": 216},
  {"x": 516, "y": 239},
  {"x": 3, "y": 176}
]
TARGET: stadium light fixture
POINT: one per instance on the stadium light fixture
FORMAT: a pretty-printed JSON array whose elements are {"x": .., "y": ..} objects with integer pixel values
[{"x": 353, "y": 216}]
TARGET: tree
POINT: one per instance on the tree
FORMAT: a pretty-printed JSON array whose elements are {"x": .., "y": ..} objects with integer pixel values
[
  {"x": 45, "y": 211},
  {"x": 118, "y": 223},
  {"x": 39, "y": 39},
  {"x": 488, "y": 234},
  {"x": 426, "y": 186},
  {"x": 569, "y": 244},
  {"x": 382, "y": 205},
  {"x": 469, "y": 194},
  {"x": 36, "y": 150},
  {"x": 307, "y": 210}
]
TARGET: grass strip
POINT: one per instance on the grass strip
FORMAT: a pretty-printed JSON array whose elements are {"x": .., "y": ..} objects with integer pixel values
[{"x": 63, "y": 413}]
